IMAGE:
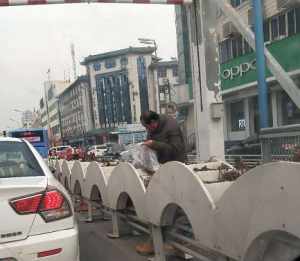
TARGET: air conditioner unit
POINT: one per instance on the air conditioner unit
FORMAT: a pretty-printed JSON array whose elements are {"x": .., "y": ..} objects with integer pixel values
[
  {"x": 229, "y": 30},
  {"x": 283, "y": 4}
]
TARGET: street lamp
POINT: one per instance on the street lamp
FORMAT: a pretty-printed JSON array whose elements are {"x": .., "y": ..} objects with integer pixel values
[{"x": 149, "y": 41}]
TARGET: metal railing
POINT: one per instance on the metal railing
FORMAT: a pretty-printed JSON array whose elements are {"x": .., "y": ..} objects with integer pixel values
[{"x": 280, "y": 143}]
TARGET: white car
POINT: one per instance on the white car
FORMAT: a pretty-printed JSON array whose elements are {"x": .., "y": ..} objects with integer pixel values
[
  {"x": 97, "y": 150},
  {"x": 37, "y": 216}
]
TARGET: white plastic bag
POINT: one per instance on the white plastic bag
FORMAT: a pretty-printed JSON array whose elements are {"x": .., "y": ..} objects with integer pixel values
[{"x": 142, "y": 157}]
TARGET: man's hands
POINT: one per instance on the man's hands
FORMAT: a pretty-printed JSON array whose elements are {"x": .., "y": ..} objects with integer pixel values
[{"x": 148, "y": 143}]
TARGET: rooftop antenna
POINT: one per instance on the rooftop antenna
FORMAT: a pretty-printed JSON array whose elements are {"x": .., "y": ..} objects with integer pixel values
[{"x": 73, "y": 60}]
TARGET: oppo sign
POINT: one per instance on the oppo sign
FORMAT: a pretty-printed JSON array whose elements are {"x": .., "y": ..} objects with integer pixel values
[{"x": 239, "y": 70}]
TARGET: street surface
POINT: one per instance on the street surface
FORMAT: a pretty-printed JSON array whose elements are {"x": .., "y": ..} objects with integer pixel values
[{"x": 96, "y": 246}]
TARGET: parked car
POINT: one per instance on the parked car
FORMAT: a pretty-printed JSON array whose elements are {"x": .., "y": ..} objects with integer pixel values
[
  {"x": 57, "y": 152},
  {"x": 36, "y": 211},
  {"x": 96, "y": 151}
]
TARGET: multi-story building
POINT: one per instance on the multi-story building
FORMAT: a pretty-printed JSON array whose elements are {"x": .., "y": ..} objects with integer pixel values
[
  {"x": 119, "y": 86},
  {"x": 27, "y": 119},
  {"x": 238, "y": 69},
  {"x": 75, "y": 111},
  {"x": 165, "y": 83},
  {"x": 49, "y": 107},
  {"x": 37, "y": 119}
]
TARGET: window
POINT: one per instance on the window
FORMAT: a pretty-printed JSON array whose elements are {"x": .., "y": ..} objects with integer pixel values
[
  {"x": 266, "y": 31},
  {"x": 175, "y": 71},
  {"x": 297, "y": 11},
  {"x": 282, "y": 25},
  {"x": 238, "y": 122},
  {"x": 123, "y": 61},
  {"x": 162, "y": 72},
  {"x": 235, "y": 3},
  {"x": 237, "y": 46},
  {"x": 274, "y": 28},
  {"x": 291, "y": 22},
  {"x": 110, "y": 63},
  {"x": 16, "y": 160},
  {"x": 247, "y": 48},
  {"x": 290, "y": 112}
]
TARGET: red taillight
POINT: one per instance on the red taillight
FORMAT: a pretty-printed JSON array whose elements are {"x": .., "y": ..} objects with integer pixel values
[
  {"x": 27, "y": 205},
  {"x": 52, "y": 200},
  {"x": 51, "y": 205}
]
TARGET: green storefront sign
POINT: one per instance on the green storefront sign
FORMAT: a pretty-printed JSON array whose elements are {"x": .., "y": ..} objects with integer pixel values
[{"x": 242, "y": 70}]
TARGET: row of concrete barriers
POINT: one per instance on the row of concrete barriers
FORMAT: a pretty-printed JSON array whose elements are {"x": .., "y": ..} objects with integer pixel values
[{"x": 253, "y": 216}]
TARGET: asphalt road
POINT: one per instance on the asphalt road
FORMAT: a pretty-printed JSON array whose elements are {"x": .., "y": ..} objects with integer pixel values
[{"x": 96, "y": 246}]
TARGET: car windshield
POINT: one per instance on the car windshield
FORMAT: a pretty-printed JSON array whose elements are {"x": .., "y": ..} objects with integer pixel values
[
  {"x": 102, "y": 147},
  {"x": 16, "y": 160}
]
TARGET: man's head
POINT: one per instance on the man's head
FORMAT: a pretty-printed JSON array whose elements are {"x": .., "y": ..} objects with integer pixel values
[{"x": 150, "y": 120}]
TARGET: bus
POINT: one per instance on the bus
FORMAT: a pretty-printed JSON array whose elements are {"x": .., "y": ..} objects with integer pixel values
[{"x": 38, "y": 137}]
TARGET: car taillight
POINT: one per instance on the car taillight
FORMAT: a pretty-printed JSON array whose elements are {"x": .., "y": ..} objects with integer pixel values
[
  {"x": 51, "y": 205},
  {"x": 27, "y": 205}
]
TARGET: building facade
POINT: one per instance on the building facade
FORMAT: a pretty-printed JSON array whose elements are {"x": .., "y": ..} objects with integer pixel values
[
  {"x": 164, "y": 83},
  {"x": 184, "y": 90},
  {"x": 76, "y": 112},
  {"x": 238, "y": 69},
  {"x": 119, "y": 83},
  {"x": 49, "y": 107},
  {"x": 27, "y": 119}
]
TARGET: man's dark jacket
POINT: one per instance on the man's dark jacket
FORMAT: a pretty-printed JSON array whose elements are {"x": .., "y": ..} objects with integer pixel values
[{"x": 168, "y": 140}]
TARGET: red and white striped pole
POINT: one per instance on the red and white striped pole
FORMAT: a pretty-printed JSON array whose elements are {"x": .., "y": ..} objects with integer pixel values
[{"x": 48, "y": 2}]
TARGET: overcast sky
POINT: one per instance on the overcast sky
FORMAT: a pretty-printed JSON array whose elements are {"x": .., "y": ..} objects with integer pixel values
[{"x": 35, "y": 38}]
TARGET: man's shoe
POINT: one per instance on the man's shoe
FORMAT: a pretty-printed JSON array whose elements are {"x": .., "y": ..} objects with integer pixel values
[{"x": 145, "y": 249}]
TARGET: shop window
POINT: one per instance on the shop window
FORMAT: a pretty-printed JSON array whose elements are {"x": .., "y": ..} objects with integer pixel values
[
  {"x": 290, "y": 112},
  {"x": 237, "y": 115}
]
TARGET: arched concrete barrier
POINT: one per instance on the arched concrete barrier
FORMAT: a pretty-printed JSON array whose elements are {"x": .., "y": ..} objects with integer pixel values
[
  {"x": 78, "y": 176},
  {"x": 263, "y": 200},
  {"x": 97, "y": 177},
  {"x": 66, "y": 168},
  {"x": 58, "y": 169},
  {"x": 175, "y": 184},
  {"x": 125, "y": 180}
]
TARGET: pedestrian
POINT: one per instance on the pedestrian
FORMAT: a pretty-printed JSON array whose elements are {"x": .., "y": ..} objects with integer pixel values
[{"x": 164, "y": 136}]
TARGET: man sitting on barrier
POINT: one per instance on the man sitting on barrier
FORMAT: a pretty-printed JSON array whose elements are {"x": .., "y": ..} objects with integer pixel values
[{"x": 166, "y": 139}]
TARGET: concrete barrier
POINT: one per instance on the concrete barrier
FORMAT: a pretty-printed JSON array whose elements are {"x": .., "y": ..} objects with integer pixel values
[
  {"x": 95, "y": 185},
  {"x": 66, "y": 168},
  {"x": 77, "y": 177},
  {"x": 257, "y": 213},
  {"x": 125, "y": 181}
]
